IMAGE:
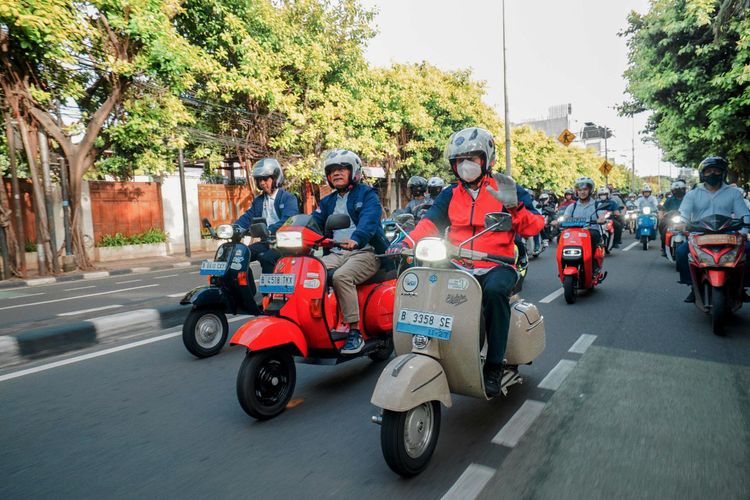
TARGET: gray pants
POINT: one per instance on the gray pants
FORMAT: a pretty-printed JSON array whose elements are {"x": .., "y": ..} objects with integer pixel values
[{"x": 352, "y": 268}]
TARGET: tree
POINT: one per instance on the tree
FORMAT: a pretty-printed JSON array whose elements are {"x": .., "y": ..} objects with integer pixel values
[{"x": 696, "y": 85}]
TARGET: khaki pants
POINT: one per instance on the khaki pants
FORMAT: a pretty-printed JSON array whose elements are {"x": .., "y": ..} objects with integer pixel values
[{"x": 352, "y": 268}]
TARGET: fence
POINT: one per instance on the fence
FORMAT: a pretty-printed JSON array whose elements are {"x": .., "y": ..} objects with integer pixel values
[
  {"x": 223, "y": 204},
  {"x": 125, "y": 207},
  {"x": 27, "y": 209}
]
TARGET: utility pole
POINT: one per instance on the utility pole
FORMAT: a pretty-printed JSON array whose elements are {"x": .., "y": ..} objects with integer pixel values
[
  {"x": 508, "y": 169},
  {"x": 606, "y": 153},
  {"x": 185, "y": 225},
  {"x": 21, "y": 233},
  {"x": 632, "y": 157}
]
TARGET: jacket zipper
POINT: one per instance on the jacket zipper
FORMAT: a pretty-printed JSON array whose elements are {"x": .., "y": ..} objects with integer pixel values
[{"x": 471, "y": 221}]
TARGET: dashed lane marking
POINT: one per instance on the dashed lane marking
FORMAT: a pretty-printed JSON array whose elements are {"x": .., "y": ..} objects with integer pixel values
[
  {"x": 519, "y": 423},
  {"x": 165, "y": 276},
  {"x": 79, "y": 288},
  {"x": 94, "y": 309},
  {"x": 179, "y": 294},
  {"x": 557, "y": 375},
  {"x": 14, "y": 295},
  {"x": 127, "y": 281},
  {"x": 471, "y": 483},
  {"x": 549, "y": 298},
  {"x": 630, "y": 246},
  {"x": 583, "y": 343},
  {"x": 78, "y": 296}
]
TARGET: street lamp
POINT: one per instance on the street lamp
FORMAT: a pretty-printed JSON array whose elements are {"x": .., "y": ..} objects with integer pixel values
[{"x": 505, "y": 96}]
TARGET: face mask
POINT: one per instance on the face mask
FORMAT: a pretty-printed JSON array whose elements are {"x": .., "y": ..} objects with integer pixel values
[
  {"x": 713, "y": 179},
  {"x": 469, "y": 171}
]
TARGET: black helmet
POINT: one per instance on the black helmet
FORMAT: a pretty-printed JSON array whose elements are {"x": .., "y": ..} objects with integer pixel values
[
  {"x": 435, "y": 185},
  {"x": 417, "y": 185},
  {"x": 715, "y": 162}
]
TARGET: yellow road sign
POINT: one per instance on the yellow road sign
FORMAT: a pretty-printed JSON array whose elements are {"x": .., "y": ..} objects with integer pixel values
[
  {"x": 566, "y": 137},
  {"x": 605, "y": 168}
]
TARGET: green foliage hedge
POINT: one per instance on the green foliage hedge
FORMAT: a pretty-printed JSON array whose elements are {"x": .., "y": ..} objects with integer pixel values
[{"x": 153, "y": 235}]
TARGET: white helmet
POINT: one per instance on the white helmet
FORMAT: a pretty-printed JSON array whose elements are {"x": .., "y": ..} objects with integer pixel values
[
  {"x": 603, "y": 191},
  {"x": 583, "y": 181},
  {"x": 269, "y": 167},
  {"x": 345, "y": 158},
  {"x": 678, "y": 184},
  {"x": 646, "y": 188}
]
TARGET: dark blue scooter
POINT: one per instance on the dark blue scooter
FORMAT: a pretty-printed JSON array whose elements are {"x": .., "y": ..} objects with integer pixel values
[{"x": 646, "y": 227}]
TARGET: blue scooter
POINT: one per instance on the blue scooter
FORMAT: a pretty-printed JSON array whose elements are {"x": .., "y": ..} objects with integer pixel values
[{"x": 645, "y": 230}]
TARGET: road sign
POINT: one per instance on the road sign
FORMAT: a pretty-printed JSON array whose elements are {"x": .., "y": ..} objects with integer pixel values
[
  {"x": 605, "y": 168},
  {"x": 566, "y": 137}
]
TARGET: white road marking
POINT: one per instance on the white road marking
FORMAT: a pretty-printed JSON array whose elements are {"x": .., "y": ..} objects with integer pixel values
[
  {"x": 583, "y": 343},
  {"x": 83, "y": 311},
  {"x": 40, "y": 281},
  {"x": 557, "y": 375},
  {"x": 519, "y": 423},
  {"x": 549, "y": 298},
  {"x": 180, "y": 294},
  {"x": 194, "y": 272},
  {"x": 182, "y": 264},
  {"x": 630, "y": 246},
  {"x": 79, "y": 288},
  {"x": 471, "y": 483},
  {"x": 95, "y": 275},
  {"x": 127, "y": 281},
  {"x": 18, "y": 296},
  {"x": 78, "y": 296},
  {"x": 140, "y": 269},
  {"x": 165, "y": 276}
]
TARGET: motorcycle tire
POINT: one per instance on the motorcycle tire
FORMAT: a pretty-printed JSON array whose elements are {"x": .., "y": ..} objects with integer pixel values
[
  {"x": 644, "y": 242},
  {"x": 419, "y": 427},
  {"x": 383, "y": 354},
  {"x": 719, "y": 311},
  {"x": 569, "y": 287},
  {"x": 265, "y": 382},
  {"x": 200, "y": 332}
]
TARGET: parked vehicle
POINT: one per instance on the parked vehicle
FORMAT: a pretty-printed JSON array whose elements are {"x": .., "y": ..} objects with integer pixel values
[
  {"x": 230, "y": 290},
  {"x": 575, "y": 262},
  {"x": 646, "y": 227},
  {"x": 300, "y": 312},
  {"x": 439, "y": 338}
]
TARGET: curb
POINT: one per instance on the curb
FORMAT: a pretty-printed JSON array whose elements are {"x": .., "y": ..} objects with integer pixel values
[
  {"x": 48, "y": 341},
  {"x": 96, "y": 274}
]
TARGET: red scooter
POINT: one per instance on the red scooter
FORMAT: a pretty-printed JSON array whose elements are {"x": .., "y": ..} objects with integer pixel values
[
  {"x": 673, "y": 236},
  {"x": 300, "y": 311},
  {"x": 574, "y": 259},
  {"x": 717, "y": 266}
]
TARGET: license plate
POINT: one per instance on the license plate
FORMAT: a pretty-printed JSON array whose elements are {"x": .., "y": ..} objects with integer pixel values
[
  {"x": 213, "y": 268},
  {"x": 423, "y": 323},
  {"x": 276, "y": 283}
]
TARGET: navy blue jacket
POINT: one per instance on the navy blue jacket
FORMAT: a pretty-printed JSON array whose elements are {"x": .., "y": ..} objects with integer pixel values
[
  {"x": 285, "y": 206},
  {"x": 365, "y": 211}
]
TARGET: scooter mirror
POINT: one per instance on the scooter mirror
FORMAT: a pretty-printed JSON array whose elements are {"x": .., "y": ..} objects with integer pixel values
[
  {"x": 498, "y": 221},
  {"x": 405, "y": 219},
  {"x": 206, "y": 223},
  {"x": 259, "y": 230},
  {"x": 746, "y": 220},
  {"x": 337, "y": 221}
]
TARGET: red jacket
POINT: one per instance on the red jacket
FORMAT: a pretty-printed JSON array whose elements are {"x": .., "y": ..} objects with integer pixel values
[{"x": 456, "y": 208}]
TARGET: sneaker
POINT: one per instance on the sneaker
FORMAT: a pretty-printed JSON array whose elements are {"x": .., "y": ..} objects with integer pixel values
[
  {"x": 354, "y": 344},
  {"x": 690, "y": 299},
  {"x": 493, "y": 379}
]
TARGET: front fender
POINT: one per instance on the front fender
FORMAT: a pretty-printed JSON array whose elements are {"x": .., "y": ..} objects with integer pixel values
[
  {"x": 269, "y": 331},
  {"x": 204, "y": 296},
  {"x": 410, "y": 380},
  {"x": 716, "y": 277},
  {"x": 570, "y": 271}
]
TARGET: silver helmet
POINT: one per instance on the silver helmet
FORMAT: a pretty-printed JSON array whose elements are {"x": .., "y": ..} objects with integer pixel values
[
  {"x": 345, "y": 158},
  {"x": 473, "y": 141},
  {"x": 269, "y": 167},
  {"x": 585, "y": 181}
]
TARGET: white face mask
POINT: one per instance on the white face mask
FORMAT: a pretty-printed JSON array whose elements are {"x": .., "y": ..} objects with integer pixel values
[{"x": 469, "y": 171}]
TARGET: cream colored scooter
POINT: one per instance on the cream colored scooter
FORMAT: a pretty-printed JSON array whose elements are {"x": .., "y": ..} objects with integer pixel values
[{"x": 438, "y": 337}]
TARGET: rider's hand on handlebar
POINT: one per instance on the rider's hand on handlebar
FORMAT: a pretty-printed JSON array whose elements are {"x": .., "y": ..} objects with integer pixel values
[
  {"x": 506, "y": 190},
  {"x": 348, "y": 245},
  {"x": 396, "y": 248}
]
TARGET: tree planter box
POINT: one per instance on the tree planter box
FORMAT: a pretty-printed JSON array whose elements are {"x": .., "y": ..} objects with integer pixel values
[{"x": 109, "y": 254}]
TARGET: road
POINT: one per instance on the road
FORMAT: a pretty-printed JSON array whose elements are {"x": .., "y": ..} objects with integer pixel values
[{"x": 654, "y": 407}]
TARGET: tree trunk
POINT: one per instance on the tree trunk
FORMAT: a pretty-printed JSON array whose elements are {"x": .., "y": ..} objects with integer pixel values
[
  {"x": 13, "y": 263},
  {"x": 77, "y": 237}
]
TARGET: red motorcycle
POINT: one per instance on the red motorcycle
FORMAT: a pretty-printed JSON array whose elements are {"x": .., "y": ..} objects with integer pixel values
[
  {"x": 673, "y": 236},
  {"x": 717, "y": 266},
  {"x": 300, "y": 311},
  {"x": 574, "y": 260}
]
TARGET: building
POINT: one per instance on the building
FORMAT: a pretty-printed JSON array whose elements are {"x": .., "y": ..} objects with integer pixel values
[{"x": 557, "y": 120}]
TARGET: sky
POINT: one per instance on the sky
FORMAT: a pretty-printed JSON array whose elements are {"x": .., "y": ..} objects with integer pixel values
[{"x": 558, "y": 52}]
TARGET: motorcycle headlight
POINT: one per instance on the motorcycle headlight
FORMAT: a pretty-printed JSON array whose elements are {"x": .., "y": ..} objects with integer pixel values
[
  {"x": 390, "y": 234},
  {"x": 431, "y": 250},
  {"x": 560, "y": 219},
  {"x": 289, "y": 239},
  {"x": 676, "y": 219},
  {"x": 728, "y": 258},
  {"x": 225, "y": 231},
  {"x": 646, "y": 210}
]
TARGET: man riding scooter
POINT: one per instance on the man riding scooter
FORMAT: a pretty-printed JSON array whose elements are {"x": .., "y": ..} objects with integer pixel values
[
  {"x": 568, "y": 199},
  {"x": 608, "y": 203},
  {"x": 585, "y": 208},
  {"x": 713, "y": 197},
  {"x": 417, "y": 186},
  {"x": 462, "y": 207},
  {"x": 354, "y": 259},
  {"x": 435, "y": 186},
  {"x": 274, "y": 204},
  {"x": 646, "y": 200},
  {"x": 672, "y": 204}
]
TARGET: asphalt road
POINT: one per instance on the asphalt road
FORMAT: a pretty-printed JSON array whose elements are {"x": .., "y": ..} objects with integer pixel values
[{"x": 151, "y": 421}]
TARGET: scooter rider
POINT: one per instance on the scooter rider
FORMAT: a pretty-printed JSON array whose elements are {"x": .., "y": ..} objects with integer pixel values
[
  {"x": 417, "y": 186},
  {"x": 585, "y": 208},
  {"x": 355, "y": 261},
  {"x": 568, "y": 198},
  {"x": 608, "y": 203},
  {"x": 434, "y": 187},
  {"x": 678, "y": 188},
  {"x": 713, "y": 197},
  {"x": 462, "y": 207},
  {"x": 274, "y": 204},
  {"x": 646, "y": 200}
]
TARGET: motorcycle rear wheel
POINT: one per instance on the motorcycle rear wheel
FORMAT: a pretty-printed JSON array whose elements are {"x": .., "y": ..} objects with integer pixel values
[
  {"x": 265, "y": 382},
  {"x": 408, "y": 438},
  {"x": 569, "y": 287},
  {"x": 644, "y": 242},
  {"x": 719, "y": 311}
]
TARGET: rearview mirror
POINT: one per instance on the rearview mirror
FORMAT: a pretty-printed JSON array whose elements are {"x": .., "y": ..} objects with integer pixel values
[
  {"x": 498, "y": 221},
  {"x": 337, "y": 221},
  {"x": 259, "y": 230},
  {"x": 259, "y": 220},
  {"x": 746, "y": 220},
  {"x": 206, "y": 223},
  {"x": 405, "y": 219}
]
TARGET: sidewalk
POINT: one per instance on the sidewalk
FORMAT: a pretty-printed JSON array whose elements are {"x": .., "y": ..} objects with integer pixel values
[{"x": 104, "y": 269}]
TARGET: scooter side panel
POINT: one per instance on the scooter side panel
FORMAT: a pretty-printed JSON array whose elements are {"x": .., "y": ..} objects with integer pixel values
[
  {"x": 204, "y": 296},
  {"x": 266, "y": 332},
  {"x": 410, "y": 380},
  {"x": 449, "y": 292}
]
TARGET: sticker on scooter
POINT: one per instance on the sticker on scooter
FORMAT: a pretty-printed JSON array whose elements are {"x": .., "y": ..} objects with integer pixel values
[
  {"x": 457, "y": 284},
  {"x": 437, "y": 326},
  {"x": 433, "y": 278},
  {"x": 236, "y": 266},
  {"x": 456, "y": 299},
  {"x": 314, "y": 283},
  {"x": 410, "y": 282}
]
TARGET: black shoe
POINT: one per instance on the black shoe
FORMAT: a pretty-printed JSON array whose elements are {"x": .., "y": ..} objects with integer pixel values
[
  {"x": 354, "y": 343},
  {"x": 616, "y": 245},
  {"x": 745, "y": 297},
  {"x": 493, "y": 378},
  {"x": 690, "y": 299}
]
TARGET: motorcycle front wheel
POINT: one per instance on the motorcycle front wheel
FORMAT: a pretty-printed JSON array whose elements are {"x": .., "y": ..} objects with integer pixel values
[
  {"x": 408, "y": 438},
  {"x": 718, "y": 310},
  {"x": 265, "y": 382},
  {"x": 205, "y": 332},
  {"x": 569, "y": 287}
]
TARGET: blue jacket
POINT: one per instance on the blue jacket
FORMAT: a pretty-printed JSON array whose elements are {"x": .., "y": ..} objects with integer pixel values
[
  {"x": 285, "y": 206},
  {"x": 365, "y": 211}
]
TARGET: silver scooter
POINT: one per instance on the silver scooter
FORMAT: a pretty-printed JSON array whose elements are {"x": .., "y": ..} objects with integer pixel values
[{"x": 438, "y": 338}]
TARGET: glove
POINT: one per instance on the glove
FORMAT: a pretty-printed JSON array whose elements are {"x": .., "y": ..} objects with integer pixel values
[
  {"x": 396, "y": 248},
  {"x": 506, "y": 190}
]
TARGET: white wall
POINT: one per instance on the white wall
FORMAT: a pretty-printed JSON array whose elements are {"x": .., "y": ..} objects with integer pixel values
[{"x": 172, "y": 203}]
